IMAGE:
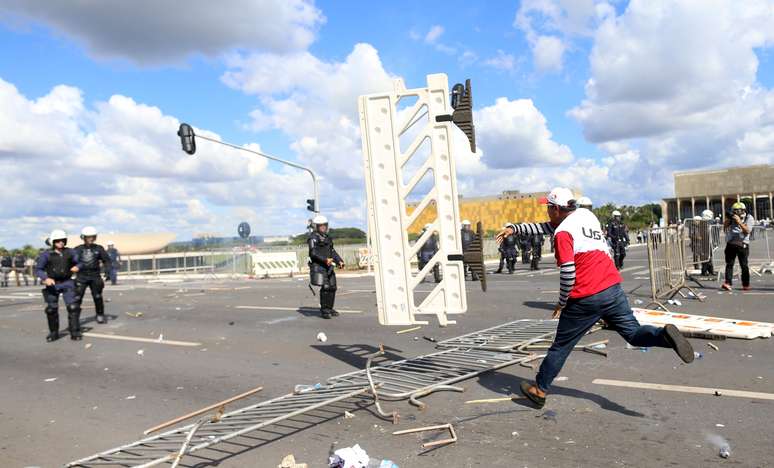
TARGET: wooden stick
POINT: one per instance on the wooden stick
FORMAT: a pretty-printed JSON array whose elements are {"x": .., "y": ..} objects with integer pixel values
[
  {"x": 203, "y": 410},
  {"x": 682, "y": 388},
  {"x": 407, "y": 330},
  {"x": 422, "y": 429},
  {"x": 490, "y": 400}
]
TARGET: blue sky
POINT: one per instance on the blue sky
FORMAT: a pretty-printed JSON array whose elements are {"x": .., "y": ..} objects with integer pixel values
[{"x": 608, "y": 97}]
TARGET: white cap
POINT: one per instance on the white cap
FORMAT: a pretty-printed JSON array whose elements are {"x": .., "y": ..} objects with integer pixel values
[
  {"x": 707, "y": 214},
  {"x": 319, "y": 219},
  {"x": 584, "y": 201},
  {"x": 88, "y": 231},
  {"x": 465, "y": 222},
  {"x": 110, "y": 242},
  {"x": 616, "y": 213},
  {"x": 57, "y": 234},
  {"x": 559, "y": 196}
]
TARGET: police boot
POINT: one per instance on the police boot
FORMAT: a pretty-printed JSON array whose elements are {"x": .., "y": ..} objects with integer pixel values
[
  {"x": 74, "y": 323},
  {"x": 99, "y": 306},
  {"x": 53, "y": 326}
]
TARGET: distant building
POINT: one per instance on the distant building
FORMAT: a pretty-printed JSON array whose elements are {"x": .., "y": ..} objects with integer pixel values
[
  {"x": 511, "y": 206},
  {"x": 718, "y": 189},
  {"x": 276, "y": 239}
]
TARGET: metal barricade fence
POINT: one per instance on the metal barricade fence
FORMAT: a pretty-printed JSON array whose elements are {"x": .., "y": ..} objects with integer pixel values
[
  {"x": 702, "y": 239},
  {"x": 666, "y": 263}
]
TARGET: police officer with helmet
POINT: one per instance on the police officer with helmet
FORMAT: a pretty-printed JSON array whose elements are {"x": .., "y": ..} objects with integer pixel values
[
  {"x": 618, "y": 238},
  {"x": 323, "y": 260},
  {"x": 426, "y": 253},
  {"x": 55, "y": 268},
  {"x": 468, "y": 236},
  {"x": 508, "y": 245},
  {"x": 93, "y": 259},
  {"x": 738, "y": 226}
]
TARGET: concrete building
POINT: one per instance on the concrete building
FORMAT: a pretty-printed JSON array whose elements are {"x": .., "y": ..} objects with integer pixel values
[
  {"x": 719, "y": 189},
  {"x": 493, "y": 211}
]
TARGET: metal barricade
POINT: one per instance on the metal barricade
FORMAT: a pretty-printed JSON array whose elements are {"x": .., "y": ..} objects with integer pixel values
[
  {"x": 768, "y": 264},
  {"x": 666, "y": 263},
  {"x": 702, "y": 239}
]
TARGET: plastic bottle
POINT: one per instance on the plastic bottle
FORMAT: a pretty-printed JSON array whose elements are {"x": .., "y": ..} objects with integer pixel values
[{"x": 306, "y": 388}]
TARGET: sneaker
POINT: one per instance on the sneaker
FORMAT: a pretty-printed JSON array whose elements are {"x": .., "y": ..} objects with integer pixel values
[
  {"x": 679, "y": 343},
  {"x": 325, "y": 314},
  {"x": 334, "y": 313},
  {"x": 745, "y": 288},
  {"x": 53, "y": 336},
  {"x": 725, "y": 287},
  {"x": 101, "y": 318}
]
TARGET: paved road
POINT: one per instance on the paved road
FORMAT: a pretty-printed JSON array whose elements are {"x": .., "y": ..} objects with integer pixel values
[{"x": 106, "y": 394}]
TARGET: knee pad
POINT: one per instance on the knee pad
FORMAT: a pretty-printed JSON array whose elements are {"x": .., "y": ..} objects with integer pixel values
[
  {"x": 52, "y": 310},
  {"x": 329, "y": 288},
  {"x": 97, "y": 296},
  {"x": 73, "y": 308}
]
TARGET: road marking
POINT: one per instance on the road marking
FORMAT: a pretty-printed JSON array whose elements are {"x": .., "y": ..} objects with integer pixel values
[
  {"x": 282, "y": 319},
  {"x": 684, "y": 389},
  {"x": 639, "y": 267},
  {"x": 141, "y": 340},
  {"x": 296, "y": 309}
]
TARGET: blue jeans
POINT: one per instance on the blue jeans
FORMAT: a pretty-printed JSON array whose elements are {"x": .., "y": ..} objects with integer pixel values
[{"x": 579, "y": 315}]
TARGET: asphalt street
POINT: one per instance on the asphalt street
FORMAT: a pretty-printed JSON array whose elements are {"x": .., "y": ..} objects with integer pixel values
[{"x": 214, "y": 338}]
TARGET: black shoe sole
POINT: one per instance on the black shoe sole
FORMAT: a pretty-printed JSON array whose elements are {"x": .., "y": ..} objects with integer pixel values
[
  {"x": 536, "y": 400},
  {"x": 680, "y": 344}
]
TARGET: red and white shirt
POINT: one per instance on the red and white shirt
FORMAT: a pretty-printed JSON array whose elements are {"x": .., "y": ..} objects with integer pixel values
[{"x": 582, "y": 254}]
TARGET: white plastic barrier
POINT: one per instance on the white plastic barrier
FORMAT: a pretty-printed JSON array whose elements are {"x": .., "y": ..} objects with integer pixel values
[
  {"x": 390, "y": 182},
  {"x": 732, "y": 328},
  {"x": 274, "y": 264}
]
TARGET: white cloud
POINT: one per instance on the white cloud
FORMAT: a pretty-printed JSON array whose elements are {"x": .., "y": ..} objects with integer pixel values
[
  {"x": 502, "y": 61},
  {"x": 550, "y": 27},
  {"x": 152, "y": 32},
  {"x": 679, "y": 81},
  {"x": 118, "y": 165},
  {"x": 515, "y": 134},
  {"x": 316, "y": 106},
  {"x": 549, "y": 53},
  {"x": 433, "y": 34}
]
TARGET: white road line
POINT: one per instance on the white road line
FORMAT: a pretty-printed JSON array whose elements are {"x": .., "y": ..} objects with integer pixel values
[
  {"x": 141, "y": 340},
  {"x": 684, "y": 389},
  {"x": 295, "y": 309}
]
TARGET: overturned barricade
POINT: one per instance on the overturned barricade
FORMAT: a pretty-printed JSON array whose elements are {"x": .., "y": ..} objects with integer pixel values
[
  {"x": 667, "y": 264},
  {"x": 400, "y": 380}
]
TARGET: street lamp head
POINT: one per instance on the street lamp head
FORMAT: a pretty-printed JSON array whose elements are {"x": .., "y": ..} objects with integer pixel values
[{"x": 187, "y": 138}]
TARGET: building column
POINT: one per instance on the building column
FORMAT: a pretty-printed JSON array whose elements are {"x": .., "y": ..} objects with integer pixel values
[
  {"x": 755, "y": 207},
  {"x": 693, "y": 207},
  {"x": 708, "y": 203},
  {"x": 771, "y": 206},
  {"x": 723, "y": 207},
  {"x": 677, "y": 215}
]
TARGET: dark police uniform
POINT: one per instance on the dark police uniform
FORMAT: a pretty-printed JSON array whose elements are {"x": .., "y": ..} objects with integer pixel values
[
  {"x": 468, "y": 236},
  {"x": 537, "y": 251},
  {"x": 6, "y": 265},
  {"x": 56, "y": 265},
  {"x": 321, "y": 249},
  {"x": 88, "y": 275},
  {"x": 619, "y": 239},
  {"x": 509, "y": 251},
  {"x": 425, "y": 254},
  {"x": 115, "y": 264},
  {"x": 525, "y": 240}
]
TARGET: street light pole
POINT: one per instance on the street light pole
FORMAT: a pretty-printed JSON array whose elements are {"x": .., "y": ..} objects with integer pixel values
[{"x": 187, "y": 135}]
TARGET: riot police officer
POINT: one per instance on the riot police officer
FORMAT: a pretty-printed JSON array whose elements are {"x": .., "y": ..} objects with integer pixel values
[
  {"x": 115, "y": 263},
  {"x": 426, "y": 253},
  {"x": 508, "y": 245},
  {"x": 618, "y": 238},
  {"x": 6, "y": 265},
  {"x": 525, "y": 241},
  {"x": 537, "y": 251},
  {"x": 20, "y": 267},
  {"x": 93, "y": 259},
  {"x": 468, "y": 236},
  {"x": 323, "y": 261},
  {"x": 55, "y": 268}
]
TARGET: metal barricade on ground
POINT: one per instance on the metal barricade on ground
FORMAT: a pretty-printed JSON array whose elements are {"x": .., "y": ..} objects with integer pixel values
[{"x": 666, "y": 263}]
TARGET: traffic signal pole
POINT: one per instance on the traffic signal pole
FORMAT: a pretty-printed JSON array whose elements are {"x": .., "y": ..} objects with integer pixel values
[{"x": 186, "y": 131}]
